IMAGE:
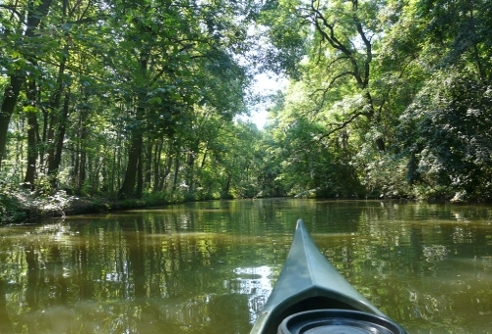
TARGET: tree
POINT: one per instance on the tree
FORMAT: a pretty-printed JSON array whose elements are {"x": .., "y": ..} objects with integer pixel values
[
  {"x": 36, "y": 11},
  {"x": 175, "y": 55},
  {"x": 311, "y": 164},
  {"x": 339, "y": 55},
  {"x": 446, "y": 135},
  {"x": 457, "y": 34}
]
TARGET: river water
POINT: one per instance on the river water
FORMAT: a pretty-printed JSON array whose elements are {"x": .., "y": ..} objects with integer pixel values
[{"x": 209, "y": 267}]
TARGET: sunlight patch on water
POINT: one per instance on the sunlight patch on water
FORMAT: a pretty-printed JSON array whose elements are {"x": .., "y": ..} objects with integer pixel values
[{"x": 256, "y": 282}]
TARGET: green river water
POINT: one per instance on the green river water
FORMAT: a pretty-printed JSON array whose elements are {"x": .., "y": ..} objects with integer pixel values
[{"x": 209, "y": 267}]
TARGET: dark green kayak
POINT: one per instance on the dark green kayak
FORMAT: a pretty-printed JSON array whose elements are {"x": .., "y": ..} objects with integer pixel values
[{"x": 312, "y": 297}]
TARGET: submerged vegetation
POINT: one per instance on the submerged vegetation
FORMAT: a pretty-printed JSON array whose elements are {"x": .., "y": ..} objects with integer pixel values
[{"x": 137, "y": 102}]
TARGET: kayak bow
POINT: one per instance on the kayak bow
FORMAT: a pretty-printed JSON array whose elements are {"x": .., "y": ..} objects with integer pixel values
[{"x": 311, "y": 291}]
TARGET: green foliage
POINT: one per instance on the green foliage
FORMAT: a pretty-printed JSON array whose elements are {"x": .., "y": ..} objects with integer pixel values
[
  {"x": 310, "y": 165},
  {"x": 139, "y": 99},
  {"x": 446, "y": 134},
  {"x": 11, "y": 208},
  {"x": 288, "y": 37},
  {"x": 20, "y": 204},
  {"x": 383, "y": 175},
  {"x": 417, "y": 73},
  {"x": 458, "y": 31}
]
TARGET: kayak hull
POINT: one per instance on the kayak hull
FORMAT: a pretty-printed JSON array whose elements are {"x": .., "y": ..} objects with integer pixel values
[{"x": 307, "y": 282}]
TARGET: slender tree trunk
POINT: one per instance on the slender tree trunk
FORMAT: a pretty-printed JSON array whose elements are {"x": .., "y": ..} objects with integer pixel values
[
  {"x": 166, "y": 171},
  {"x": 32, "y": 130},
  {"x": 140, "y": 178},
  {"x": 163, "y": 171},
  {"x": 50, "y": 139},
  {"x": 99, "y": 162},
  {"x": 82, "y": 170},
  {"x": 204, "y": 159},
  {"x": 81, "y": 152},
  {"x": 61, "y": 133},
  {"x": 114, "y": 172},
  {"x": 176, "y": 173},
  {"x": 148, "y": 165},
  {"x": 191, "y": 173},
  {"x": 90, "y": 172},
  {"x": 76, "y": 164},
  {"x": 119, "y": 167},
  {"x": 157, "y": 162},
  {"x": 44, "y": 138},
  {"x": 55, "y": 105}
]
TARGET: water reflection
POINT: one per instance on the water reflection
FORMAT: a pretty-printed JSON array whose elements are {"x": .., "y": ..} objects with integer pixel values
[
  {"x": 256, "y": 283},
  {"x": 209, "y": 267}
]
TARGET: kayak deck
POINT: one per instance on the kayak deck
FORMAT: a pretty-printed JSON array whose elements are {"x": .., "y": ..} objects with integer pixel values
[{"x": 308, "y": 281}]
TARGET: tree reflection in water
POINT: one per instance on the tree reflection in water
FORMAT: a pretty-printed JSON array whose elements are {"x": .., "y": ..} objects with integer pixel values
[{"x": 209, "y": 267}]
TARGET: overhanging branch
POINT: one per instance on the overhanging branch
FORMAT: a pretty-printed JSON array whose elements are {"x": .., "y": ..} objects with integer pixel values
[
  {"x": 340, "y": 126},
  {"x": 325, "y": 90}
]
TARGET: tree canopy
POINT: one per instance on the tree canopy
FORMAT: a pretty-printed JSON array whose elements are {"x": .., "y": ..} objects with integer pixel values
[{"x": 138, "y": 99}]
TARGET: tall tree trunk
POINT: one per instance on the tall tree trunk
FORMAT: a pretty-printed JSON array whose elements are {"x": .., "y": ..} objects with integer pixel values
[
  {"x": 140, "y": 179},
  {"x": 227, "y": 186},
  {"x": 81, "y": 154},
  {"x": 17, "y": 79},
  {"x": 190, "y": 179},
  {"x": 161, "y": 175},
  {"x": 157, "y": 162},
  {"x": 114, "y": 171},
  {"x": 44, "y": 138},
  {"x": 126, "y": 190},
  {"x": 204, "y": 159},
  {"x": 9, "y": 101},
  {"x": 61, "y": 133},
  {"x": 54, "y": 120},
  {"x": 32, "y": 133},
  {"x": 82, "y": 170},
  {"x": 136, "y": 147},
  {"x": 148, "y": 164},
  {"x": 176, "y": 172}
]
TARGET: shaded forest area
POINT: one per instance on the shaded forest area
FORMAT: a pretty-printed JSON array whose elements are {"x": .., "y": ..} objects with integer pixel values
[{"x": 137, "y": 102}]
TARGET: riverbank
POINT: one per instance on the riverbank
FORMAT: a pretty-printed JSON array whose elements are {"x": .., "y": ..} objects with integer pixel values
[{"x": 26, "y": 208}]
